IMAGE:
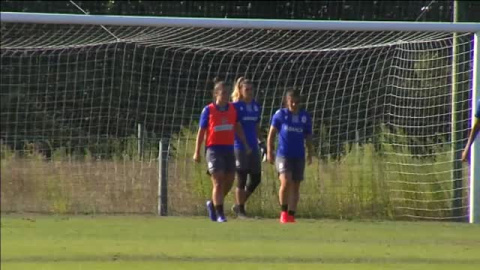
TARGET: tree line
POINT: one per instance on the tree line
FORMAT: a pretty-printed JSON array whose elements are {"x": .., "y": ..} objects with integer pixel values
[{"x": 398, "y": 10}]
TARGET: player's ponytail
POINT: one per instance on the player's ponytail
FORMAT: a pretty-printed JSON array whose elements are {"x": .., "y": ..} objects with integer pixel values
[
  {"x": 217, "y": 80},
  {"x": 236, "y": 94}
]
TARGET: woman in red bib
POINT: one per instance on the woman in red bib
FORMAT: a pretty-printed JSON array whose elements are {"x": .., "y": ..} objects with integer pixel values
[{"x": 219, "y": 122}]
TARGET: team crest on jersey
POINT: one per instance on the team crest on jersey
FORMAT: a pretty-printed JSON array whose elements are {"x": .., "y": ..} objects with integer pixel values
[
  {"x": 304, "y": 119},
  {"x": 255, "y": 108},
  {"x": 295, "y": 118}
]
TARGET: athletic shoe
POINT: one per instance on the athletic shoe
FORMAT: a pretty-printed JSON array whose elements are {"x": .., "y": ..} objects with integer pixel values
[
  {"x": 211, "y": 211},
  {"x": 291, "y": 219},
  {"x": 238, "y": 213},
  {"x": 235, "y": 209},
  {"x": 242, "y": 215},
  {"x": 284, "y": 217},
  {"x": 221, "y": 219}
]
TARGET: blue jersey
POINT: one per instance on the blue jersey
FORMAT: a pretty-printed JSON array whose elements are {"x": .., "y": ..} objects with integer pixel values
[
  {"x": 249, "y": 116},
  {"x": 292, "y": 130},
  {"x": 477, "y": 113},
  {"x": 204, "y": 124}
]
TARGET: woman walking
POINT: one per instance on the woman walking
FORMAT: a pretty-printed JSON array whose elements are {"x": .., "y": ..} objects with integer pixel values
[
  {"x": 294, "y": 127},
  {"x": 219, "y": 122},
  {"x": 247, "y": 164}
]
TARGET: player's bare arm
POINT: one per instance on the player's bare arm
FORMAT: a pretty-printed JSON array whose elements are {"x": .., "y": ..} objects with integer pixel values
[
  {"x": 271, "y": 144},
  {"x": 471, "y": 139}
]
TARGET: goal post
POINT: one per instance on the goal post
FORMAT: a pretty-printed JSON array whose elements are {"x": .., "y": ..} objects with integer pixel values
[
  {"x": 378, "y": 84},
  {"x": 474, "y": 215}
]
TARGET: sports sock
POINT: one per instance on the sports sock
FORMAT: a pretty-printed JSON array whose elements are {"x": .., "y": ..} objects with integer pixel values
[
  {"x": 291, "y": 213},
  {"x": 284, "y": 207},
  {"x": 219, "y": 210}
]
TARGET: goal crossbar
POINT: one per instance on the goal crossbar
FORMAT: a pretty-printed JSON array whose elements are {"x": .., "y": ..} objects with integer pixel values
[{"x": 44, "y": 18}]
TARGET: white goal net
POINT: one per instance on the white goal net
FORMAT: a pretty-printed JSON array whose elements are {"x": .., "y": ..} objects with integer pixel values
[{"x": 83, "y": 109}]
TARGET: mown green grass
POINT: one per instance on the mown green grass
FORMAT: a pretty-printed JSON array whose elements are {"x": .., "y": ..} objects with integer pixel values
[{"x": 137, "y": 242}]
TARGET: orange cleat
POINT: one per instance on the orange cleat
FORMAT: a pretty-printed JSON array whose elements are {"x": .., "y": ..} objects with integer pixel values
[
  {"x": 291, "y": 219},
  {"x": 284, "y": 217}
]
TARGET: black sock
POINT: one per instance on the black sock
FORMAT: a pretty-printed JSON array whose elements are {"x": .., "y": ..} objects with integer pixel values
[
  {"x": 219, "y": 210},
  {"x": 291, "y": 213},
  {"x": 284, "y": 207},
  {"x": 241, "y": 208}
]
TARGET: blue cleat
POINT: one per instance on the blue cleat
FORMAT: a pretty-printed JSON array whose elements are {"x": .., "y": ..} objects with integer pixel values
[
  {"x": 221, "y": 219},
  {"x": 211, "y": 211}
]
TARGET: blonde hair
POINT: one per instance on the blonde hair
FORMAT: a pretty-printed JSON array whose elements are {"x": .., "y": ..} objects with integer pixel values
[{"x": 237, "y": 94}]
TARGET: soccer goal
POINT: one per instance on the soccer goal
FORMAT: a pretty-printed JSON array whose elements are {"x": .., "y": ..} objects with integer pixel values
[{"x": 99, "y": 113}]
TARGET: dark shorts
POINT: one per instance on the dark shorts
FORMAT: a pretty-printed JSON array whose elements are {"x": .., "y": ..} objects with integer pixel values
[
  {"x": 294, "y": 165},
  {"x": 249, "y": 163},
  {"x": 220, "y": 161}
]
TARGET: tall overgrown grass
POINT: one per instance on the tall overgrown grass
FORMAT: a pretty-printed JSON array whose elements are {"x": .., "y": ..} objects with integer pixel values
[
  {"x": 77, "y": 184},
  {"x": 365, "y": 183}
]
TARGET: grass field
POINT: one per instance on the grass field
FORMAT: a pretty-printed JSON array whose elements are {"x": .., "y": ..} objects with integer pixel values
[{"x": 139, "y": 242}]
